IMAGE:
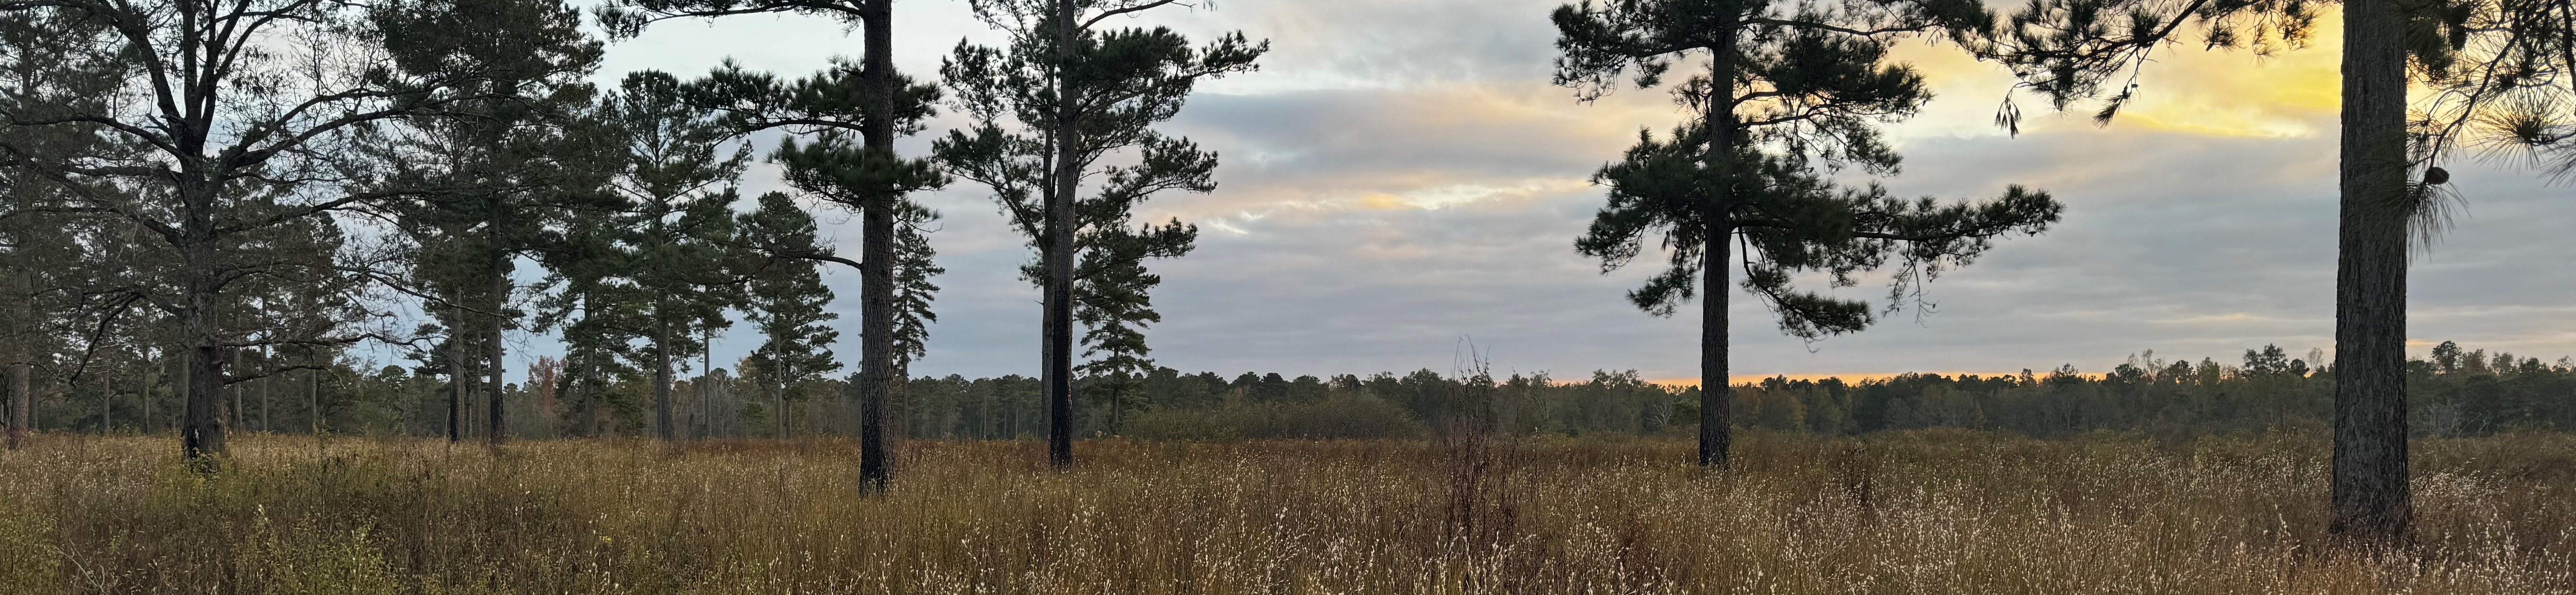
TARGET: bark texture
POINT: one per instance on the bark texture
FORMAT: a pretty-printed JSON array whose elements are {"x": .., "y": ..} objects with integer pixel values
[
  {"x": 662, "y": 427},
  {"x": 2370, "y": 483},
  {"x": 1716, "y": 394},
  {"x": 876, "y": 260},
  {"x": 497, "y": 322},
  {"x": 458, "y": 379},
  {"x": 19, "y": 403},
  {"x": 202, "y": 429},
  {"x": 19, "y": 400},
  {"x": 1067, "y": 179}
]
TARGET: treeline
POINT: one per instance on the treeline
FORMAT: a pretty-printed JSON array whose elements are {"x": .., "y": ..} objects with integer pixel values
[
  {"x": 435, "y": 178},
  {"x": 2456, "y": 392},
  {"x": 2453, "y": 393}
]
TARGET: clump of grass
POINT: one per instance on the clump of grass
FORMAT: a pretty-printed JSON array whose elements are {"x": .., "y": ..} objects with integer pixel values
[{"x": 1917, "y": 512}]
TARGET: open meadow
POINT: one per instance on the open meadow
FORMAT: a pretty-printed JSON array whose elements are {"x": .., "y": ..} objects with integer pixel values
[{"x": 1934, "y": 511}]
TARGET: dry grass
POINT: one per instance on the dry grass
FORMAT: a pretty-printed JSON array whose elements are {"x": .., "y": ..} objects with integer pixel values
[{"x": 1927, "y": 512}]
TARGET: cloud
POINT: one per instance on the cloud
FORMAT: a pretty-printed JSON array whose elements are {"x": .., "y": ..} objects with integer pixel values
[{"x": 1401, "y": 178}]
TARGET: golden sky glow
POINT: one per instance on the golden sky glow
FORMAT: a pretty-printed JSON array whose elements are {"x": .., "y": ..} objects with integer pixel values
[
  {"x": 1401, "y": 175},
  {"x": 2292, "y": 92}
]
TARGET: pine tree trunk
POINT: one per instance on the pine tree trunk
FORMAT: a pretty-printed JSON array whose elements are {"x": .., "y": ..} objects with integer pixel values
[
  {"x": 267, "y": 389},
  {"x": 585, "y": 401},
  {"x": 2370, "y": 484},
  {"x": 1716, "y": 419},
  {"x": 498, "y": 421},
  {"x": 899, "y": 400},
  {"x": 1058, "y": 254},
  {"x": 707, "y": 385},
  {"x": 201, "y": 433},
  {"x": 876, "y": 260},
  {"x": 19, "y": 399},
  {"x": 662, "y": 379},
  {"x": 151, "y": 372},
  {"x": 21, "y": 352},
  {"x": 240, "y": 413},
  {"x": 313, "y": 397},
  {"x": 457, "y": 379}
]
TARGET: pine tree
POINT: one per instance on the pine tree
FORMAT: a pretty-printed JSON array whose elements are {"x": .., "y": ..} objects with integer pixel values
[
  {"x": 2495, "y": 69},
  {"x": 652, "y": 259},
  {"x": 501, "y": 162},
  {"x": 1113, "y": 301},
  {"x": 1078, "y": 93},
  {"x": 915, "y": 263},
  {"x": 869, "y": 98},
  {"x": 240, "y": 143},
  {"x": 1789, "y": 88},
  {"x": 48, "y": 249},
  {"x": 674, "y": 252},
  {"x": 867, "y": 178},
  {"x": 785, "y": 299},
  {"x": 582, "y": 298}
]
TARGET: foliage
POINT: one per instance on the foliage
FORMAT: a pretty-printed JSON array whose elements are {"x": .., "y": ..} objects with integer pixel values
[
  {"x": 786, "y": 298},
  {"x": 1053, "y": 103},
  {"x": 1792, "y": 88},
  {"x": 235, "y": 135},
  {"x": 663, "y": 265}
]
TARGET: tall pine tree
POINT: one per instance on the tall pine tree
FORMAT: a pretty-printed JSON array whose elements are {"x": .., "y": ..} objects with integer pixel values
[
  {"x": 1787, "y": 87},
  {"x": 44, "y": 74},
  {"x": 785, "y": 299},
  {"x": 1113, "y": 300},
  {"x": 237, "y": 143},
  {"x": 672, "y": 247},
  {"x": 2497, "y": 70},
  {"x": 502, "y": 161},
  {"x": 1048, "y": 107},
  {"x": 877, "y": 103}
]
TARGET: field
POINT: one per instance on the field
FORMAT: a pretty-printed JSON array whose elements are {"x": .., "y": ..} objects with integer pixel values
[{"x": 1914, "y": 512}]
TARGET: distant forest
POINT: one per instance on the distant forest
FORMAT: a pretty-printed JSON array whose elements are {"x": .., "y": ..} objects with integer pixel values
[{"x": 2454, "y": 392}]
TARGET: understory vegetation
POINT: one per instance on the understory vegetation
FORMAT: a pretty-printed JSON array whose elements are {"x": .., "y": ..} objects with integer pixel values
[{"x": 1934, "y": 511}]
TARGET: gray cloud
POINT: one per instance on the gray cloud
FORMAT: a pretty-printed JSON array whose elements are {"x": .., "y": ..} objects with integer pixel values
[{"x": 1401, "y": 176}]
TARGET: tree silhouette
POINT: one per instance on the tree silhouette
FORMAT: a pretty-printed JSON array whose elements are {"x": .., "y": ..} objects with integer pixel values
[
  {"x": 581, "y": 299},
  {"x": 236, "y": 143},
  {"x": 1788, "y": 88},
  {"x": 42, "y": 73},
  {"x": 504, "y": 162},
  {"x": 1079, "y": 93},
  {"x": 673, "y": 246},
  {"x": 1113, "y": 301},
  {"x": 2497, "y": 70},
  {"x": 878, "y": 103},
  {"x": 785, "y": 299}
]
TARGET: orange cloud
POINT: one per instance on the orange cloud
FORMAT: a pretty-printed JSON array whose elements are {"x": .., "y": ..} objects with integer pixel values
[{"x": 1743, "y": 379}]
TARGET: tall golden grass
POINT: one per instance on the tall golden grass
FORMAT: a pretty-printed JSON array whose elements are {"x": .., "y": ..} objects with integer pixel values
[{"x": 1922, "y": 512}]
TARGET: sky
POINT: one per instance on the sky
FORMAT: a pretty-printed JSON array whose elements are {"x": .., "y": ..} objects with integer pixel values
[{"x": 1401, "y": 186}]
